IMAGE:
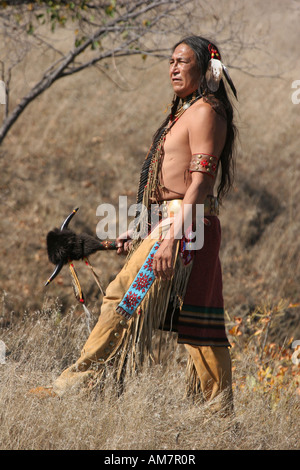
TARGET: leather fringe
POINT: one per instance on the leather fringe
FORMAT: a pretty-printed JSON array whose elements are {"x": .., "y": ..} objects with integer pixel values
[{"x": 136, "y": 345}]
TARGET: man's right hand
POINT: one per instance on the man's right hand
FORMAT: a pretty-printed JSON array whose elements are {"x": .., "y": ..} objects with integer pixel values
[{"x": 124, "y": 242}]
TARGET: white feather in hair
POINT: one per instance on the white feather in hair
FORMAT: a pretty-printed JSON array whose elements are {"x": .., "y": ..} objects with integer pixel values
[
  {"x": 214, "y": 74},
  {"x": 215, "y": 71}
]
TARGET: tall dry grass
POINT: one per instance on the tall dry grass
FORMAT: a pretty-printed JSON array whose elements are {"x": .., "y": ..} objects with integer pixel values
[{"x": 153, "y": 412}]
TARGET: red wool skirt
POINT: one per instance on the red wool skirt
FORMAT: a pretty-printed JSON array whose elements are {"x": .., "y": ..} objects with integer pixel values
[{"x": 200, "y": 322}]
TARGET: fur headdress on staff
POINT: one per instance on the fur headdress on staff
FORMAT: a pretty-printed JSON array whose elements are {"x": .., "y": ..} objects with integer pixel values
[{"x": 65, "y": 246}]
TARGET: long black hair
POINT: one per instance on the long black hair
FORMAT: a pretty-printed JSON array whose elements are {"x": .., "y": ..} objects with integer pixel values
[{"x": 219, "y": 101}]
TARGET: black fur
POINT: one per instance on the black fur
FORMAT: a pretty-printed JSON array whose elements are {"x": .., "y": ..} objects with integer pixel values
[{"x": 65, "y": 245}]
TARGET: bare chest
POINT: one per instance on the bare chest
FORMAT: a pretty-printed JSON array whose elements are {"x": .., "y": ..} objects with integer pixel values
[
  {"x": 177, "y": 146},
  {"x": 174, "y": 176}
]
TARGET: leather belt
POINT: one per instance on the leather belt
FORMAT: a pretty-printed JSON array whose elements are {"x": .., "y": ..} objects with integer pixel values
[{"x": 172, "y": 207}]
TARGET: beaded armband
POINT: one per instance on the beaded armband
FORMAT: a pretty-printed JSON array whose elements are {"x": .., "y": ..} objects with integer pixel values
[{"x": 204, "y": 163}]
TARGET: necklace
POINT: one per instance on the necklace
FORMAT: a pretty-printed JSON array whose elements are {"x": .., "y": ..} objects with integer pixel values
[
  {"x": 185, "y": 104},
  {"x": 153, "y": 182},
  {"x": 149, "y": 177}
]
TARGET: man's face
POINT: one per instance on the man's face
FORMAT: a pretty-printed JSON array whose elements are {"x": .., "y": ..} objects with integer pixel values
[{"x": 184, "y": 72}]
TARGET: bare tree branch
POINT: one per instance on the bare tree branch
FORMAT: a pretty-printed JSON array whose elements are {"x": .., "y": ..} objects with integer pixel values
[
  {"x": 126, "y": 26},
  {"x": 97, "y": 30}
]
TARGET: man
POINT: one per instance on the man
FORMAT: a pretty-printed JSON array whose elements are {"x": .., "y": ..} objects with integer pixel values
[{"x": 164, "y": 284}]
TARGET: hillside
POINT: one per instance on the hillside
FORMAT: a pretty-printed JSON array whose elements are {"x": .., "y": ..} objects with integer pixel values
[{"x": 83, "y": 141}]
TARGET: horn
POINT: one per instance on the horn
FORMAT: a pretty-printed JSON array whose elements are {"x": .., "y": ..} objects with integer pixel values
[
  {"x": 68, "y": 219},
  {"x": 57, "y": 269}
]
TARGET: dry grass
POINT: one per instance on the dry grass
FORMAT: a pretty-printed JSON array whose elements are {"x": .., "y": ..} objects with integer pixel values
[{"x": 153, "y": 412}]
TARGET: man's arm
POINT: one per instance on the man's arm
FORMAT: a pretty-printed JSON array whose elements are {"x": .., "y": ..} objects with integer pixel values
[{"x": 207, "y": 133}]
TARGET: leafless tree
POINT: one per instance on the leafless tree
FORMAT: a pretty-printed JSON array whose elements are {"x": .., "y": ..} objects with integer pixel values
[
  {"x": 101, "y": 30},
  {"x": 98, "y": 30}
]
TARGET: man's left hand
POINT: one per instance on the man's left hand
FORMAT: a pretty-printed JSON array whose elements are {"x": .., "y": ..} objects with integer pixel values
[{"x": 163, "y": 260}]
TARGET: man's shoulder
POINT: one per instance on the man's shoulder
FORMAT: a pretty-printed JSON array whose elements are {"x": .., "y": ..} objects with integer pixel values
[
  {"x": 203, "y": 117},
  {"x": 203, "y": 112},
  {"x": 203, "y": 109}
]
